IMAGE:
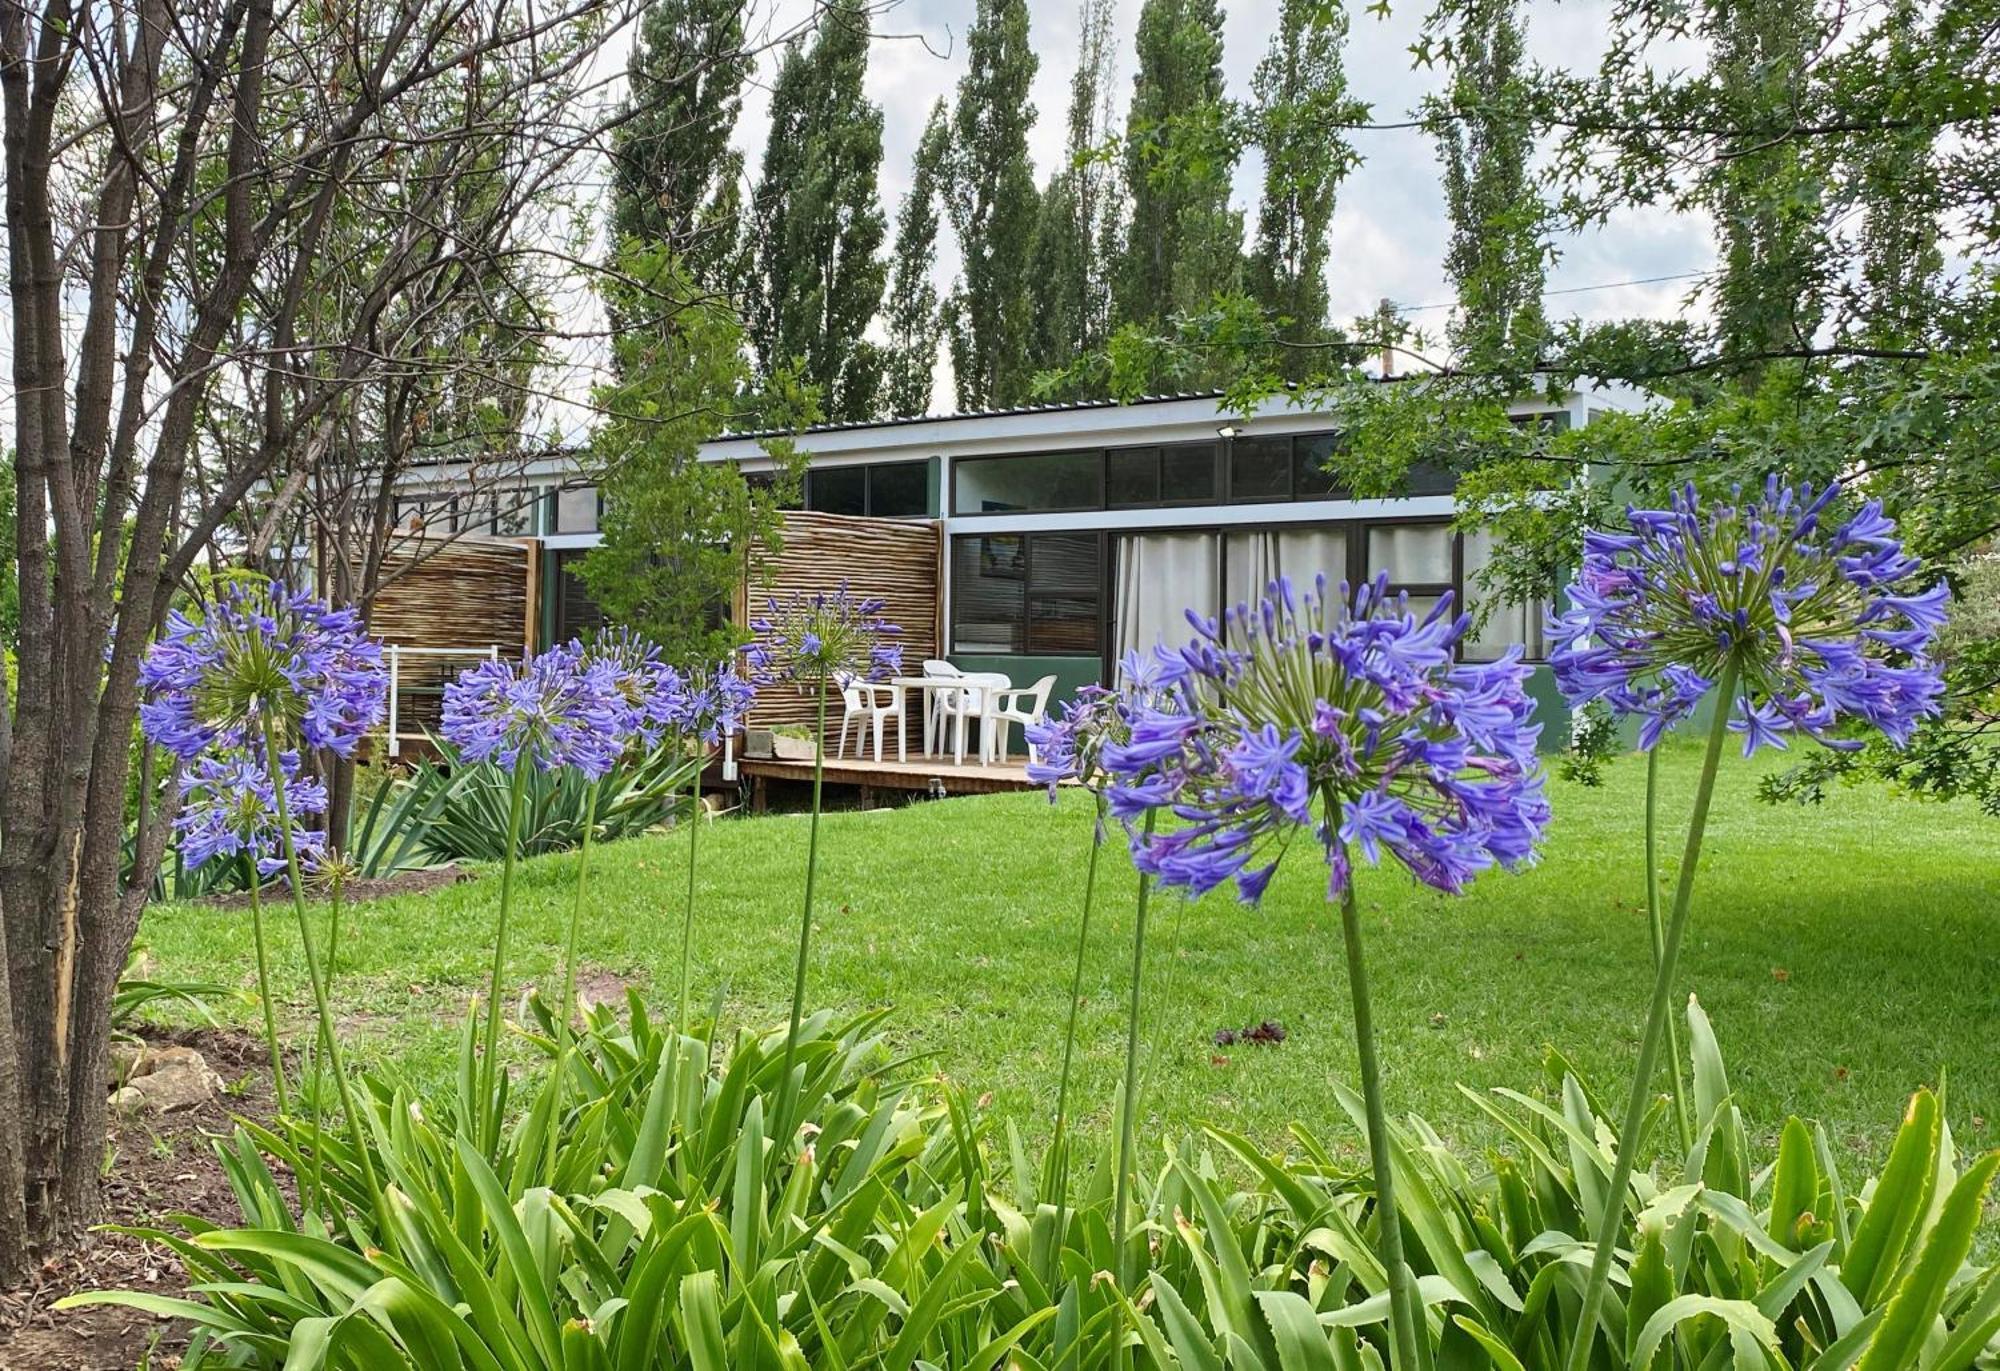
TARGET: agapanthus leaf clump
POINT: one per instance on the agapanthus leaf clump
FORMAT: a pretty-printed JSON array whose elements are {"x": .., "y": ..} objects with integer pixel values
[
  {"x": 1824, "y": 622},
  {"x": 1347, "y": 719},
  {"x": 229, "y": 807},
  {"x": 261, "y": 655},
  {"x": 655, "y": 699},
  {"x": 554, "y": 710},
  {"x": 825, "y": 636}
]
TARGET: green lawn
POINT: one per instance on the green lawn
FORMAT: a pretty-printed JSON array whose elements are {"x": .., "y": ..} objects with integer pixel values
[{"x": 1846, "y": 955}]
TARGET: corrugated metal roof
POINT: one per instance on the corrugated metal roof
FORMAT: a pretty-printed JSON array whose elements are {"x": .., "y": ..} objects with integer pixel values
[{"x": 1053, "y": 407}]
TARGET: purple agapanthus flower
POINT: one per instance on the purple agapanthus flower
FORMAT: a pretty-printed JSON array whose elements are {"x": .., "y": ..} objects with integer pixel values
[
  {"x": 257, "y": 653},
  {"x": 554, "y": 710},
  {"x": 1823, "y": 623},
  {"x": 718, "y": 699},
  {"x": 1071, "y": 746},
  {"x": 825, "y": 636},
  {"x": 1348, "y": 720},
  {"x": 229, "y": 806},
  {"x": 655, "y": 698}
]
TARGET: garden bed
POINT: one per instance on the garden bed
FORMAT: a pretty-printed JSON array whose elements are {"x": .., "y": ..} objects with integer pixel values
[{"x": 155, "y": 1165}]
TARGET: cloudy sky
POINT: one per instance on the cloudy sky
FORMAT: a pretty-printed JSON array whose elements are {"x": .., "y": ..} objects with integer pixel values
[{"x": 1389, "y": 226}]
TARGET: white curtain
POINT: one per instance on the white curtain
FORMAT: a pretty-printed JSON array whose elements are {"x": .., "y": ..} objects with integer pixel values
[
  {"x": 1160, "y": 577},
  {"x": 1306, "y": 554},
  {"x": 1249, "y": 563}
]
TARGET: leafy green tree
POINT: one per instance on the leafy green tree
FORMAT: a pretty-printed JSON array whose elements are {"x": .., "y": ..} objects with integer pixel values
[
  {"x": 1302, "y": 106},
  {"x": 817, "y": 271},
  {"x": 915, "y": 317},
  {"x": 1498, "y": 253},
  {"x": 993, "y": 208},
  {"x": 1896, "y": 183},
  {"x": 1077, "y": 226},
  {"x": 1184, "y": 244},
  {"x": 677, "y": 530},
  {"x": 674, "y": 175}
]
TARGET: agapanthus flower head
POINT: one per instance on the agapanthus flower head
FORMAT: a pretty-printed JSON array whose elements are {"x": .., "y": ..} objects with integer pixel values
[
  {"x": 654, "y": 696},
  {"x": 825, "y": 636},
  {"x": 1071, "y": 746},
  {"x": 1346, "y": 718},
  {"x": 556, "y": 709},
  {"x": 1823, "y": 622},
  {"x": 230, "y": 806},
  {"x": 260, "y": 653},
  {"x": 718, "y": 699}
]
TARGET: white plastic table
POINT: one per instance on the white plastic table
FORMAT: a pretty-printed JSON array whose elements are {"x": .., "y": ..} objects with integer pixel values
[{"x": 925, "y": 686}]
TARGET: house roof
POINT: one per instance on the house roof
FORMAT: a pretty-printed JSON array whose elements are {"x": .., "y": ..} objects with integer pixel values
[{"x": 1001, "y": 412}]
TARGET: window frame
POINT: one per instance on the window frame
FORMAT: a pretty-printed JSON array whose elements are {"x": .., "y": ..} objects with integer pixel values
[
  {"x": 958, "y": 511},
  {"x": 1028, "y": 594}
]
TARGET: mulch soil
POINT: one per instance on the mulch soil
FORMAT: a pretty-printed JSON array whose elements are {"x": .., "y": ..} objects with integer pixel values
[
  {"x": 156, "y": 1166},
  {"x": 363, "y": 888}
]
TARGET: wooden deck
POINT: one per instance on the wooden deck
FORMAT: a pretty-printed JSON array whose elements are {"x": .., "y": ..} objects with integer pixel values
[{"x": 928, "y": 775}]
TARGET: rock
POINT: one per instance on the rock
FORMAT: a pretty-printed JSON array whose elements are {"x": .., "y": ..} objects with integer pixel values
[
  {"x": 166, "y": 1080},
  {"x": 121, "y": 1062}
]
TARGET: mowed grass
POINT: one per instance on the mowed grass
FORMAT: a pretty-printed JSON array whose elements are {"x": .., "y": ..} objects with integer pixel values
[{"x": 1846, "y": 955}]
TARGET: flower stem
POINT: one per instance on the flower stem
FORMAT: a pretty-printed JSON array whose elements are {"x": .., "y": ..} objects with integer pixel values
[
  {"x": 1656, "y": 1022},
  {"x": 329, "y": 1040},
  {"x": 1128, "y": 1111},
  {"x": 1403, "y": 1312},
  {"x": 1657, "y": 922},
  {"x": 784, "y": 1132},
  {"x": 264, "y": 982},
  {"x": 565, "y": 1033},
  {"x": 1057, "y": 1183},
  {"x": 489, "y": 1110},
  {"x": 687, "y": 923}
]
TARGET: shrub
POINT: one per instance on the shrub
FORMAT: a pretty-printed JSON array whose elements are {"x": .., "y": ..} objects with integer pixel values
[{"x": 673, "y": 1230}]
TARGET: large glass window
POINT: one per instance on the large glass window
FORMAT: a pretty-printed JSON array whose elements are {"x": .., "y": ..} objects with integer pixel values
[
  {"x": 576, "y": 510},
  {"x": 837, "y": 490},
  {"x": 1132, "y": 477},
  {"x": 1412, "y": 554},
  {"x": 1312, "y": 454},
  {"x": 1038, "y": 593},
  {"x": 899, "y": 490},
  {"x": 1187, "y": 473},
  {"x": 1260, "y": 469},
  {"x": 1497, "y": 624},
  {"x": 1037, "y": 481},
  {"x": 577, "y": 611}
]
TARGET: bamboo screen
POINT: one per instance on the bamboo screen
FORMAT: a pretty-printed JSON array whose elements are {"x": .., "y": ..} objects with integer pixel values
[
  {"x": 467, "y": 592},
  {"x": 895, "y": 560}
]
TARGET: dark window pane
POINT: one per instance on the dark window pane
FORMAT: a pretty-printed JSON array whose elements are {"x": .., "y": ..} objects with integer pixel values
[
  {"x": 1187, "y": 473},
  {"x": 988, "y": 593},
  {"x": 1310, "y": 456},
  {"x": 1132, "y": 477},
  {"x": 577, "y": 612},
  {"x": 1049, "y": 480},
  {"x": 899, "y": 490},
  {"x": 1428, "y": 478},
  {"x": 837, "y": 490},
  {"x": 1260, "y": 468},
  {"x": 1063, "y": 625},
  {"x": 1064, "y": 561}
]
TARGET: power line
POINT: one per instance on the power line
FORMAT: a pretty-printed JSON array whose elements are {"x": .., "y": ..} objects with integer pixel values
[{"x": 1577, "y": 290}]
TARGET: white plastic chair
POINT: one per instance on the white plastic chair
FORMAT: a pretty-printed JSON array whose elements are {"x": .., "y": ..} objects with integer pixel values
[
  {"x": 938, "y": 669},
  {"x": 870, "y": 705},
  {"x": 1021, "y": 705},
  {"x": 969, "y": 701}
]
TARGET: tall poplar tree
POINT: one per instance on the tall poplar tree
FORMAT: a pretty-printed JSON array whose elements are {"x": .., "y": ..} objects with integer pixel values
[
  {"x": 816, "y": 268},
  {"x": 674, "y": 175},
  {"x": 1765, "y": 194},
  {"x": 1497, "y": 257},
  {"x": 915, "y": 318},
  {"x": 1184, "y": 243},
  {"x": 993, "y": 208},
  {"x": 1069, "y": 281},
  {"x": 1896, "y": 183},
  {"x": 1302, "y": 105}
]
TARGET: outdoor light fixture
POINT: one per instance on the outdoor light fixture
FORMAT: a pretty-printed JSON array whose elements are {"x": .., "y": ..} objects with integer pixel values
[{"x": 1226, "y": 431}]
